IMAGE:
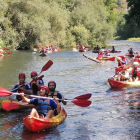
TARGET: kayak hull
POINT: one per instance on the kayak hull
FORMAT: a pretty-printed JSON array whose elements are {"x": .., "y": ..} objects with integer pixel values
[
  {"x": 36, "y": 124},
  {"x": 130, "y": 55},
  {"x": 95, "y": 51},
  {"x": 109, "y": 58},
  {"x": 120, "y": 84},
  {"x": 114, "y": 51},
  {"x": 42, "y": 54},
  {"x": 25, "y": 106}
]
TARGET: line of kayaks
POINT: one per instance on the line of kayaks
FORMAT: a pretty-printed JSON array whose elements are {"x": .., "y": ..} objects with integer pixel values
[{"x": 36, "y": 124}]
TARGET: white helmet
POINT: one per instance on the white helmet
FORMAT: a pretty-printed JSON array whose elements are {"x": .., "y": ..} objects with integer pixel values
[{"x": 135, "y": 63}]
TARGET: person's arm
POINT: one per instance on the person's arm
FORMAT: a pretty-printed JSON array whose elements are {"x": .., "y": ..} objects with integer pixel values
[
  {"x": 28, "y": 89},
  {"x": 24, "y": 98},
  {"x": 60, "y": 96}
]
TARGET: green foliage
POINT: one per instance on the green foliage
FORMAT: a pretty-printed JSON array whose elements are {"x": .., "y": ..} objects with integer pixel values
[
  {"x": 63, "y": 22},
  {"x": 134, "y": 11},
  {"x": 134, "y": 39}
]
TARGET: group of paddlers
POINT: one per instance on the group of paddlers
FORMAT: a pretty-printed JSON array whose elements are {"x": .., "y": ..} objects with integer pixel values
[
  {"x": 48, "y": 49},
  {"x": 47, "y": 107},
  {"x": 126, "y": 71}
]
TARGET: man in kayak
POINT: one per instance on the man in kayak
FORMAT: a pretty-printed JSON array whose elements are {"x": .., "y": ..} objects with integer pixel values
[
  {"x": 130, "y": 51},
  {"x": 35, "y": 84},
  {"x": 135, "y": 73},
  {"x": 1, "y": 51},
  {"x": 45, "y": 107},
  {"x": 113, "y": 49},
  {"x": 55, "y": 94},
  {"x": 22, "y": 87}
]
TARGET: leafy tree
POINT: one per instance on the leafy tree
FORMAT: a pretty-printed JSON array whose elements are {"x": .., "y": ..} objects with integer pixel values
[{"x": 134, "y": 12}]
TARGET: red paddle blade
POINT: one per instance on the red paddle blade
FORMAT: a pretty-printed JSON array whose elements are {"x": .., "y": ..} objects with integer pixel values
[
  {"x": 4, "y": 92},
  {"x": 47, "y": 65},
  {"x": 10, "y": 106},
  {"x": 82, "y": 103},
  {"x": 83, "y": 97}
]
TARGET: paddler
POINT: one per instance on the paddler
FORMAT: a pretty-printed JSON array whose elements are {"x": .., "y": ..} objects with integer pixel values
[
  {"x": 120, "y": 65},
  {"x": 35, "y": 85},
  {"x": 22, "y": 86},
  {"x": 1, "y": 50},
  {"x": 56, "y": 95},
  {"x": 135, "y": 72},
  {"x": 45, "y": 107}
]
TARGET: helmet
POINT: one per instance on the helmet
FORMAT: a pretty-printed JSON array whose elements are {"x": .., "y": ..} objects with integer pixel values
[
  {"x": 46, "y": 88},
  {"x": 21, "y": 75},
  {"x": 118, "y": 58},
  {"x": 33, "y": 73},
  {"x": 51, "y": 82},
  {"x": 135, "y": 63}
]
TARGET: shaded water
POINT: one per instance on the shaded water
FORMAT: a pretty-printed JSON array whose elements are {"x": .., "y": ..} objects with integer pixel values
[{"x": 107, "y": 118}]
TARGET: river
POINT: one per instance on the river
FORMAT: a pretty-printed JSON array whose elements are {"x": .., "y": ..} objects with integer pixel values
[{"x": 108, "y": 117}]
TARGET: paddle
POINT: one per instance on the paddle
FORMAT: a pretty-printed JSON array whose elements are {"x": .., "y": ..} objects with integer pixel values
[
  {"x": 46, "y": 66},
  {"x": 5, "y": 92},
  {"x": 11, "y": 106}
]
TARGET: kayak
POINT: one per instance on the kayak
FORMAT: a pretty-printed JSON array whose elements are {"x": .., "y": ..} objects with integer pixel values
[
  {"x": 42, "y": 54},
  {"x": 91, "y": 58},
  {"x": 95, "y": 51},
  {"x": 25, "y": 106},
  {"x": 110, "y": 58},
  {"x": 130, "y": 55},
  {"x": 82, "y": 50},
  {"x": 36, "y": 124},
  {"x": 114, "y": 51},
  {"x": 120, "y": 84}
]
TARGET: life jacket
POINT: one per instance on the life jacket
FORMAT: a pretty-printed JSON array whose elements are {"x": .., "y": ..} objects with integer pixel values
[
  {"x": 135, "y": 73},
  {"x": 43, "y": 106},
  {"x": 18, "y": 97},
  {"x": 53, "y": 94}
]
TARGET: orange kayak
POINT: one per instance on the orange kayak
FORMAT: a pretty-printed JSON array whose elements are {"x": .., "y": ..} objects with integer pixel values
[
  {"x": 36, "y": 124},
  {"x": 120, "y": 84}
]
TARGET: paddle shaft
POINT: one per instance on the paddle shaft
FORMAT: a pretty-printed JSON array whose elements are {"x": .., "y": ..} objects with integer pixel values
[{"x": 34, "y": 96}]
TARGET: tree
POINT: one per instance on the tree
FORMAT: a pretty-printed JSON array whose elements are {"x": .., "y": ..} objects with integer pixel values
[{"x": 134, "y": 12}]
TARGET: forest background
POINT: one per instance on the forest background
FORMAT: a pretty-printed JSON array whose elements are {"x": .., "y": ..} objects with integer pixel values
[{"x": 34, "y": 23}]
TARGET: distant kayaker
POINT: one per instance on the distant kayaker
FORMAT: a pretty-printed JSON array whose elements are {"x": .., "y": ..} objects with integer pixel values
[
  {"x": 55, "y": 94},
  {"x": 45, "y": 107},
  {"x": 22, "y": 86},
  {"x": 113, "y": 49},
  {"x": 96, "y": 48},
  {"x": 135, "y": 74},
  {"x": 35, "y": 85},
  {"x": 130, "y": 51}
]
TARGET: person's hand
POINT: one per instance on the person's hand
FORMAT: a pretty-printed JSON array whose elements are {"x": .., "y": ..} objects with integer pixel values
[{"x": 22, "y": 94}]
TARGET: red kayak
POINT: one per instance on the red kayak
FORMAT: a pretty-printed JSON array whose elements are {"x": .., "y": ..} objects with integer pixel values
[
  {"x": 120, "y": 84},
  {"x": 36, "y": 124},
  {"x": 110, "y": 58},
  {"x": 82, "y": 50},
  {"x": 130, "y": 55}
]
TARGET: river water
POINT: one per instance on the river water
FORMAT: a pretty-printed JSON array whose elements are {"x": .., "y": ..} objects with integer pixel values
[{"x": 110, "y": 116}]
